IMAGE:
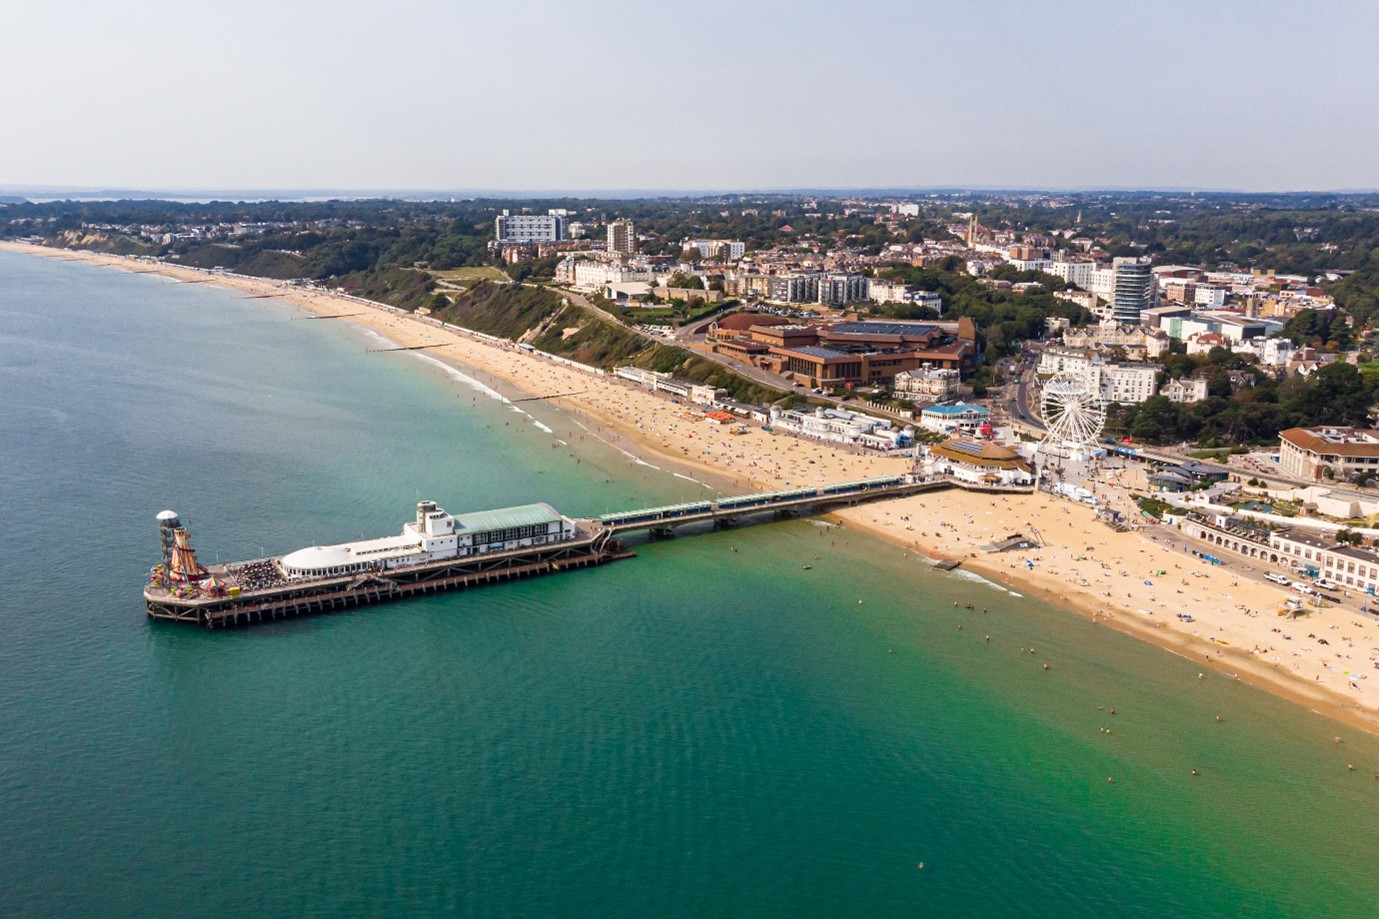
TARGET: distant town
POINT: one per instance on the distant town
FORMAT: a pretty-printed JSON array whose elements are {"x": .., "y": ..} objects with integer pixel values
[{"x": 1192, "y": 327}]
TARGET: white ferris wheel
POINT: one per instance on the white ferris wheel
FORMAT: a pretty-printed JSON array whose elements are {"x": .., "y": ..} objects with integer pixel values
[{"x": 1074, "y": 412}]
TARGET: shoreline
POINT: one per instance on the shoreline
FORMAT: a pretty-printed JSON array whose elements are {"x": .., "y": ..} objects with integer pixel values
[{"x": 1085, "y": 568}]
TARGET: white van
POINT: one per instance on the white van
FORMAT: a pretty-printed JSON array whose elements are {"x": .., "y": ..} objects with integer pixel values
[{"x": 1277, "y": 578}]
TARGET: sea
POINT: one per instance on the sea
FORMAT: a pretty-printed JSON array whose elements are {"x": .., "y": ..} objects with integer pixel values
[{"x": 787, "y": 719}]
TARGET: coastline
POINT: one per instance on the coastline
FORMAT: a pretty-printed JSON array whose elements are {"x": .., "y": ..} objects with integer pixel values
[{"x": 1083, "y": 566}]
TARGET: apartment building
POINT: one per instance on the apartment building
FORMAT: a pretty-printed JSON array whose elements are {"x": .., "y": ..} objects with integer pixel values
[
  {"x": 879, "y": 291},
  {"x": 622, "y": 238},
  {"x": 528, "y": 228},
  {"x": 1133, "y": 289},
  {"x": 719, "y": 249}
]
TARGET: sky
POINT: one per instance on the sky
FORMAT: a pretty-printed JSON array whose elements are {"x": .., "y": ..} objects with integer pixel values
[{"x": 524, "y": 95}]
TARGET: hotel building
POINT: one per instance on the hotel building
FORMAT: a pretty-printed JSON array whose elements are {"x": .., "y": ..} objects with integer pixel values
[{"x": 1308, "y": 453}]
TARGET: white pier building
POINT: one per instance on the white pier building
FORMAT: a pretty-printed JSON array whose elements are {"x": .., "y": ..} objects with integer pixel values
[{"x": 434, "y": 536}]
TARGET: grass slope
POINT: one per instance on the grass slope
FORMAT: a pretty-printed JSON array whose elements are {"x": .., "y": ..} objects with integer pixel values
[{"x": 512, "y": 311}]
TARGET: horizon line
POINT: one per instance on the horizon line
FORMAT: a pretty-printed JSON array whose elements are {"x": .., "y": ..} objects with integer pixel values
[{"x": 296, "y": 193}]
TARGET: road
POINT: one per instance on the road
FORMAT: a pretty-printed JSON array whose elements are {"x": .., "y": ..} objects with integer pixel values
[{"x": 1012, "y": 402}]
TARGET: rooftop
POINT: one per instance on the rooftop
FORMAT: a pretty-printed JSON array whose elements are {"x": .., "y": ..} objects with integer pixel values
[
  {"x": 983, "y": 453},
  {"x": 524, "y": 515},
  {"x": 871, "y": 327},
  {"x": 1340, "y": 441},
  {"x": 1307, "y": 539},
  {"x": 820, "y": 351},
  {"x": 956, "y": 408}
]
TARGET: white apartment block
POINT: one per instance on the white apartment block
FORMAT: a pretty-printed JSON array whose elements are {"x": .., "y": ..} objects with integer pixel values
[
  {"x": 1055, "y": 359},
  {"x": 711, "y": 248},
  {"x": 591, "y": 275},
  {"x": 1210, "y": 297},
  {"x": 1102, "y": 282},
  {"x": 528, "y": 228},
  {"x": 1127, "y": 384},
  {"x": 879, "y": 291},
  {"x": 1079, "y": 274}
]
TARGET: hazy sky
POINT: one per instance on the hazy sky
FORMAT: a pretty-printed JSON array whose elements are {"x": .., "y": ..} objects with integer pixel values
[{"x": 603, "y": 94}]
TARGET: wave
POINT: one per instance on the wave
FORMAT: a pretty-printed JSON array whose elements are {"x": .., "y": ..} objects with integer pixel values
[
  {"x": 978, "y": 579},
  {"x": 466, "y": 379}
]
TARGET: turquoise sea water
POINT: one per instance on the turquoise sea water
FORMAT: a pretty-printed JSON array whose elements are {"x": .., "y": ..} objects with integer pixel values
[{"x": 708, "y": 729}]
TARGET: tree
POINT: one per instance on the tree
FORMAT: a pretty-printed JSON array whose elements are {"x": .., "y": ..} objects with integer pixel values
[{"x": 686, "y": 282}]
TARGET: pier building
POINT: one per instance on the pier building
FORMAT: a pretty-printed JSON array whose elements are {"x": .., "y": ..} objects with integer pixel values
[{"x": 434, "y": 536}]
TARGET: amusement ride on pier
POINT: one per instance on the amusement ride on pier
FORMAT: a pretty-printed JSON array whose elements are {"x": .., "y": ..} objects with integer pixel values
[{"x": 439, "y": 551}]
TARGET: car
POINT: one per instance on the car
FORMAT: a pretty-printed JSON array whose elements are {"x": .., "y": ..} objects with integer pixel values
[
  {"x": 1277, "y": 578},
  {"x": 1302, "y": 588}
]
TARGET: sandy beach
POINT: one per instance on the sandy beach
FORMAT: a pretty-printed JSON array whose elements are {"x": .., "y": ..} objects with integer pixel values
[{"x": 1138, "y": 582}]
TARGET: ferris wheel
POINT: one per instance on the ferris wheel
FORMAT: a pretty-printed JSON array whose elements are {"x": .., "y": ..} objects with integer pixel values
[{"x": 1074, "y": 412}]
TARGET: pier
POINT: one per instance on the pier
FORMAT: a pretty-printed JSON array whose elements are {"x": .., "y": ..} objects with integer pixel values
[{"x": 443, "y": 552}]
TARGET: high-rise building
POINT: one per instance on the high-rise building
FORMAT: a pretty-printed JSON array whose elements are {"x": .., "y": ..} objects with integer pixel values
[
  {"x": 528, "y": 228},
  {"x": 621, "y": 237},
  {"x": 1134, "y": 289}
]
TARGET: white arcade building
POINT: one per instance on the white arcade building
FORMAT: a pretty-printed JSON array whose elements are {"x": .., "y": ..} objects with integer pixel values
[{"x": 435, "y": 536}]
